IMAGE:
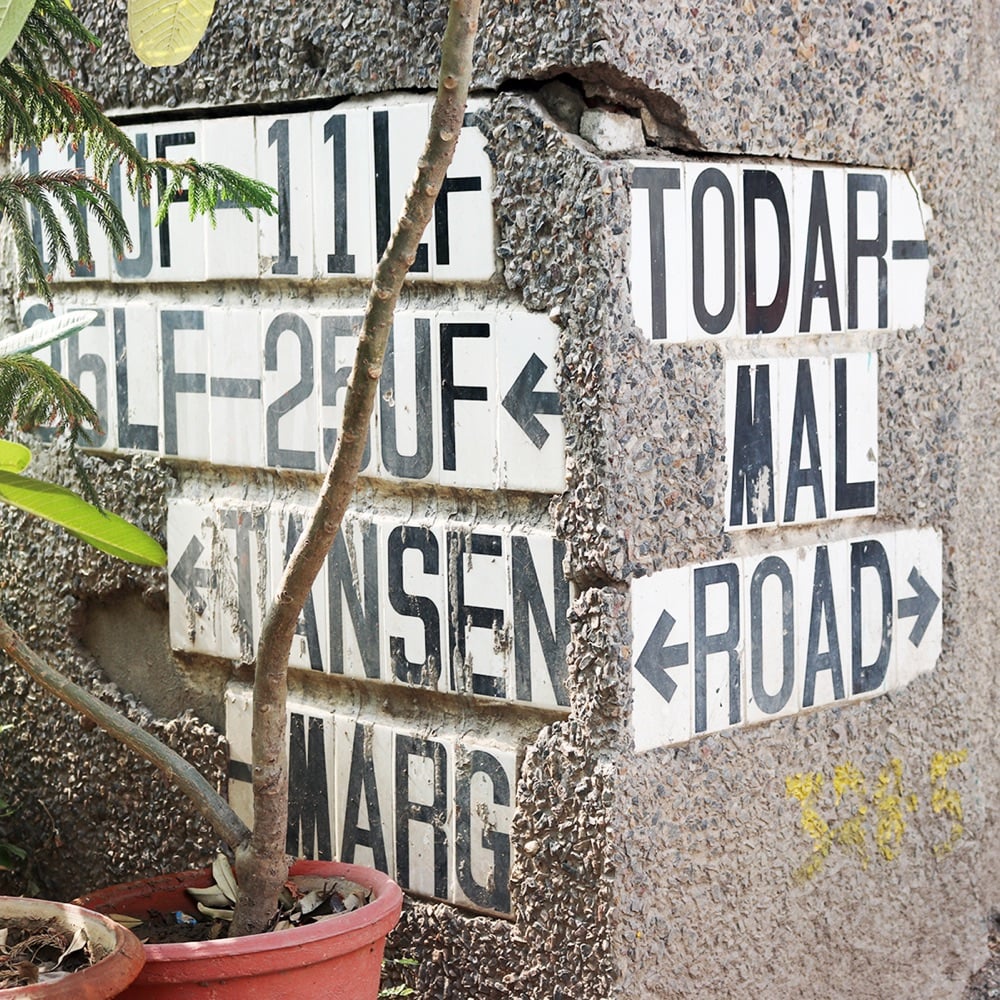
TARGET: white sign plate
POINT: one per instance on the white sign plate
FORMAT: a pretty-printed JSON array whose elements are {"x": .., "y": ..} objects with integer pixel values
[
  {"x": 468, "y": 608},
  {"x": 735, "y": 248},
  {"x": 341, "y": 176},
  {"x": 434, "y": 811},
  {"x": 801, "y": 440},
  {"x": 467, "y": 398},
  {"x": 732, "y": 643}
]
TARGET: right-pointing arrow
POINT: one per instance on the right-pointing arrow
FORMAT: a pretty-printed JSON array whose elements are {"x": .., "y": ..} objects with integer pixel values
[
  {"x": 657, "y": 658},
  {"x": 921, "y": 606},
  {"x": 189, "y": 576}
]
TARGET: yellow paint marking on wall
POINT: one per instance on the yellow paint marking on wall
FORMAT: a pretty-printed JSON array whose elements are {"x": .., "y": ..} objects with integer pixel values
[
  {"x": 861, "y": 809},
  {"x": 947, "y": 801}
]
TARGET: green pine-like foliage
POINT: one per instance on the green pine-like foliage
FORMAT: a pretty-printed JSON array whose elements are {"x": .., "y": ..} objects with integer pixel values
[{"x": 35, "y": 105}]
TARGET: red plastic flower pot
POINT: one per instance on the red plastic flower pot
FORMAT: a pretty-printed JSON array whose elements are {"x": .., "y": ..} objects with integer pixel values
[
  {"x": 337, "y": 959},
  {"x": 118, "y": 952}
]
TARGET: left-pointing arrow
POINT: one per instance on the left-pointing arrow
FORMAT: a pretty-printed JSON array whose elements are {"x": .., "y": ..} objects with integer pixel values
[
  {"x": 522, "y": 402},
  {"x": 921, "y": 606},
  {"x": 189, "y": 576},
  {"x": 657, "y": 658}
]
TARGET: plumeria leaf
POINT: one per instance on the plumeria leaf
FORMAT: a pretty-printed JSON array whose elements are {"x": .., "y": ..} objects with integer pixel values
[
  {"x": 13, "y": 14},
  {"x": 40, "y": 335},
  {"x": 105, "y": 531},
  {"x": 13, "y": 458},
  {"x": 166, "y": 32}
]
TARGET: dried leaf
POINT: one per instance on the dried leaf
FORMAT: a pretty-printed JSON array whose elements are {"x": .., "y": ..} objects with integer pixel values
[
  {"x": 212, "y": 896},
  {"x": 214, "y": 912},
  {"x": 222, "y": 871},
  {"x": 125, "y": 920}
]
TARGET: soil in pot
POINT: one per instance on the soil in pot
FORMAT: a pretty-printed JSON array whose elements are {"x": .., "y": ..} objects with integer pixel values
[
  {"x": 338, "y": 959},
  {"x": 57, "y": 951}
]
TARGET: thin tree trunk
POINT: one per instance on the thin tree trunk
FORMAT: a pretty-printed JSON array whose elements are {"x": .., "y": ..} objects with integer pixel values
[
  {"x": 262, "y": 866},
  {"x": 229, "y": 827}
]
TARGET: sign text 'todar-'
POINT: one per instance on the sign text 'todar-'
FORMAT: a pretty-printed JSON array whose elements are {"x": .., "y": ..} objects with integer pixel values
[
  {"x": 731, "y": 643},
  {"x": 742, "y": 248}
]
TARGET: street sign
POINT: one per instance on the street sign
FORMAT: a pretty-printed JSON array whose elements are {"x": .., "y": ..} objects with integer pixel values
[
  {"x": 467, "y": 397},
  {"x": 770, "y": 634},
  {"x": 801, "y": 439},
  {"x": 463, "y": 607},
  {"x": 341, "y": 176},
  {"x": 730, "y": 248},
  {"x": 433, "y": 810}
]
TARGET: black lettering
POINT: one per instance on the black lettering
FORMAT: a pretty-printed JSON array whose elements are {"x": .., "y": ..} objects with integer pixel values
[
  {"x": 77, "y": 157},
  {"x": 462, "y": 616},
  {"x": 753, "y": 449},
  {"x": 804, "y": 427},
  {"x": 495, "y": 894},
  {"x": 361, "y": 781},
  {"x": 163, "y": 143},
  {"x": 451, "y": 185},
  {"x": 870, "y": 554},
  {"x": 362, "y": 608},
  {"x": 875, "y": 248},
  {"x": 333, "y": 379},
  {"x": 818, "y": 235},
  {"x": 427, "y": 671},
  {"x": 278, "y": 457},
  {"x": 419, "y": 464},
  {"x": 656, "y": 180},
  {"x": 775, "y": 567},
  {"x": 145, "y": 437},
  {"x": 727, "y": 641},
  {"x": 529, "y": 606},
  {"x": 175, "y": 382},
  {"x": 859, "y": 495},
  {"x": 244, "y": 523},
  {"x": 433, "y": 814},
  {"x": 450, "y": 392},
  {"x": 285, "y": 263},
  {"x": 308, "y": 790},
  {"x": 713, "y": 178},
  {"x": 764, "y": 185},
  {"x": 340, "y": 261},
  {"x": 822, "y": 625},
  {"x": 307, "y": 625},
  {"x": 141, "y": 264},
  {"x": 80, "y": 365},
  {"x": 383, "y": 206}
]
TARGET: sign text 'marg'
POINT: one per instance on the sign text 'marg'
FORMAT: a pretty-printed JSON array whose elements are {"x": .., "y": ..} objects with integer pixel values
[{"x": 477, "y": 609}]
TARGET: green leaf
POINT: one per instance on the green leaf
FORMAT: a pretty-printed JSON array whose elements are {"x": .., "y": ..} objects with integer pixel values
[
  {"x": 13, "y": 14},
  {"x": 13, "y": 458},
  {"x": 106, "y": 532},
  {"x": 166, "y": 32},
  {"x": 40, "y": 335}
]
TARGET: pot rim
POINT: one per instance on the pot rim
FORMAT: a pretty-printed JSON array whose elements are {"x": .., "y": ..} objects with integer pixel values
[
  {"x": 125, "y": 950},
  {"x": 383, "y": 908}
]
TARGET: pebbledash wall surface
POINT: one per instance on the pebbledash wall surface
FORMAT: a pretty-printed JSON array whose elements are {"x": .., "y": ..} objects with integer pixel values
[{"x": 656, "y": 657}]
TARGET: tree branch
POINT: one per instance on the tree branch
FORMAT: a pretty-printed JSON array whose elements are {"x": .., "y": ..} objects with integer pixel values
[
  {"x": 202, "y": 795},
  {"x": 262, "y": 868}
]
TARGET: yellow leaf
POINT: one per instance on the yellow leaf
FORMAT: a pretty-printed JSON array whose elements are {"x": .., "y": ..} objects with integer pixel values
[{"x": 166, "y": 32}]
